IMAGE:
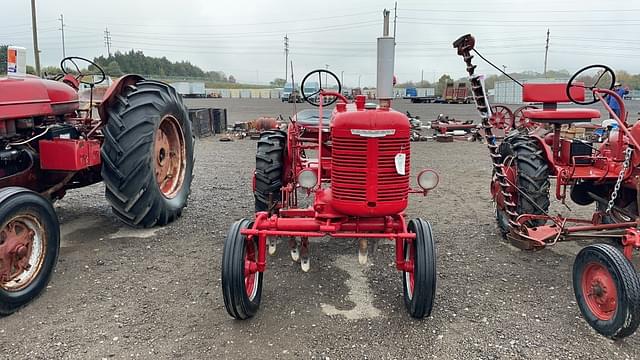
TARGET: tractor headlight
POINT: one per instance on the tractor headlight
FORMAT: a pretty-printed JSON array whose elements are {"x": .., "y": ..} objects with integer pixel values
[
  {"x": 307, "y": 178},
  {"x": 428, "y": 179}
]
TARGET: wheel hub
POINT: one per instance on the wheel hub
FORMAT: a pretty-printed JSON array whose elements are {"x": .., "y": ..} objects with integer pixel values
[
  {"x": 21, "y": 250},
  {"x": 600, "y": 290},
  {"x": 169, "y": 156}
]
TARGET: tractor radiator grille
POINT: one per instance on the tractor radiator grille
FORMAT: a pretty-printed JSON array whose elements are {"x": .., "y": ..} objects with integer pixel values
[{"x": 350, "y": 167}]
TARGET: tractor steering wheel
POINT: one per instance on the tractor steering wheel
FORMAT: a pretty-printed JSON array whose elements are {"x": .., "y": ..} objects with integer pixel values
[
  {"x": 79, "y": 75},
  {"x": 600, "y": 75},
  {"x": 314, "y": 98}
]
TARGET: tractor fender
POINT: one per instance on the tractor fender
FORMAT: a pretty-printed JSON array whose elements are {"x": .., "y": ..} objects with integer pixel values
[{"x": 114, "y": 90}]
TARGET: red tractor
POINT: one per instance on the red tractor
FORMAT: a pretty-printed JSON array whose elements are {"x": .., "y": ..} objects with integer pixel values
[
  {"x": 141, "y": 147},
  {"x": 355, "y": 162},
  {"x": 606, "y": 285}
]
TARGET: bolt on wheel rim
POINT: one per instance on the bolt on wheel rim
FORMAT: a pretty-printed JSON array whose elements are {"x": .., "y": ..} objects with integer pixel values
[
  {"x": 599, "y": 291},
  {"x": 169, "y": 156},
  {"x": 22, "y": 252}
]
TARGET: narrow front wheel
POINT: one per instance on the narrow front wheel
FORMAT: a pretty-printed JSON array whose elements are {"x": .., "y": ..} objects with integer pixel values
[
  {"x": 607, "y": 290},
  {"x": 241, "y": 282},
  {"x": 419, "y": 276}
]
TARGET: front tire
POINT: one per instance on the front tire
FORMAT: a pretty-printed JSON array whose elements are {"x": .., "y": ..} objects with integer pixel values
[
  {"x": 241, "y": 288},
  {"x": 607, "y": 290},
  {"x": 148, "y": 154},
  {"x": 419, "y": 285},
  {"x": 29, "y": 246}
]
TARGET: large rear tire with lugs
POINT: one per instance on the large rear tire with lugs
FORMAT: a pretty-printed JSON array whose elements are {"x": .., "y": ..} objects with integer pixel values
[
  {"x": 527, "y": 161},
  {"x": 147, "y": 154},
  {"x": 269, "y": 171}
]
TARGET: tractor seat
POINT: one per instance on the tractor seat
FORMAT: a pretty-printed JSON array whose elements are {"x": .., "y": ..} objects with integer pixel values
[
  {"x": 309, "y": 117},
  {"x": 550, "y": 94}
]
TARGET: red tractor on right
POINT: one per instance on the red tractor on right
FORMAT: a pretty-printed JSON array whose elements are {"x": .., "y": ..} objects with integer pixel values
[{"x": 606, "y": 285}]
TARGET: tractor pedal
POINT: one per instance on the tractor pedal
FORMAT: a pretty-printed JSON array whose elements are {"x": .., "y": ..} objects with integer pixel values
[
  {"x": 363, "y": 248},
  {"x": 271, "y": 243}
]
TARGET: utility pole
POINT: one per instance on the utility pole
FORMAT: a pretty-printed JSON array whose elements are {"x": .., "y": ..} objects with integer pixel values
[
  {"x": 422, "y": 77},
  {"x": 64, "y": 53},
  {"x": 504, "y": 68},
  {"x": 546, "y": 52},
  {"x": 286, "y": 57},
  {"x": 107, "y": 40},
  {"x": 34, "y": 27},
  {"x": 358, "y": 81},
  {"x": 326, "y": 75},
  {"x": 342, "y": 77},
  {"x": 395, "y": 18}
]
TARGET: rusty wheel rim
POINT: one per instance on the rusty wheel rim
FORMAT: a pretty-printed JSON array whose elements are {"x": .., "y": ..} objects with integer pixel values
[
  {"x": 600, "y": 291},
  {"x": 22, "y": 252},
  {"x": 169, "y": 157}
]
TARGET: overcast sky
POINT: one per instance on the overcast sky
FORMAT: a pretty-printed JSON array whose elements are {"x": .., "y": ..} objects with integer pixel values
[{"x": 245, "y": 38}]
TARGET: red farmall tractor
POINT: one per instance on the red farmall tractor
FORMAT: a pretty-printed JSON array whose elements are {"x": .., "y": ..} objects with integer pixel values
[
  {"x": 606, "y": 285},
  {"x": 141, "y": 146},
  {"x": 354, "y": 161}
]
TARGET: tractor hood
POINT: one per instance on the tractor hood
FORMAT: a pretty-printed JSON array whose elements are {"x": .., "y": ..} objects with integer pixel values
[{"x": 32, "y": 96}]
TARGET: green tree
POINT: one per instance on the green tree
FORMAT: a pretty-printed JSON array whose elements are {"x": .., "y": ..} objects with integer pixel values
[
  {"x": 3, "y": 59},
  {"x": 278, "y": 82},
  {"x": 31, "y": 70},
  {"x": 113, "y": 69},
  {"x": 232, "y": 79},
  {"x": 442, "y": 84}
]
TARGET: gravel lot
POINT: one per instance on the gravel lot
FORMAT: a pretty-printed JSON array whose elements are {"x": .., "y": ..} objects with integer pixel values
[{"x": 155, "y": 294}]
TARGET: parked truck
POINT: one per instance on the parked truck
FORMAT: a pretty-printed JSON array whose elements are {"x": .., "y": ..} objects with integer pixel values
[
  {"x": 456, "y": 94},
  {"x": 420, "y": 95}
]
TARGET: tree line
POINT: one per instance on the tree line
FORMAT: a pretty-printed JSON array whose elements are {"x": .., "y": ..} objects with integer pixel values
[{"x": 136, "y": 62}]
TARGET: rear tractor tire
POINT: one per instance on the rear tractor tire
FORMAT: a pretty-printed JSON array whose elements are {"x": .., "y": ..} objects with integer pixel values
[
  {"x": 269, "y": 169},
  {"x": 29, "y": 246},
  {"x": 532, "y": 177},
  {"x": 148, "y": 155}
]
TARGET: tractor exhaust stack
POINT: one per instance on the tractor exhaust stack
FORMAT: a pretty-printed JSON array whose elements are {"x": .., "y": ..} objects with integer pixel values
[{"x": 386, "y": 58}]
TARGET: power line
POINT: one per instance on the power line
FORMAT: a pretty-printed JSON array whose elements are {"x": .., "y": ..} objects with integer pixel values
[{"x": 107, "y": 40}]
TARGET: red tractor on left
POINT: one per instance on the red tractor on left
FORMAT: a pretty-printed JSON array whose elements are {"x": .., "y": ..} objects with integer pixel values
[{"x": 141, "y": 145}]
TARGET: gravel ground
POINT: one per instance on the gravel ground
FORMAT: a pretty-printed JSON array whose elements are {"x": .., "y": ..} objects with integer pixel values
[{"x": 155, "y": 294}]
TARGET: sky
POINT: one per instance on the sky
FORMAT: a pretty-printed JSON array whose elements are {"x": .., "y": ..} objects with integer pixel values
[{"x": 246, "y": 38}]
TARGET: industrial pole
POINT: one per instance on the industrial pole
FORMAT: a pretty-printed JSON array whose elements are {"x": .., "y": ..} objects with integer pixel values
[
  {"x": 422, "y": 77},
  {"x": 342, "y": 77},
  {"x": 64, "y": 54},
  {"x": 36, "y": 50},
  {"x": 546, "y": 52},
  {"x": 107, "y": 40},
  {"x": 286, "y": 57}
]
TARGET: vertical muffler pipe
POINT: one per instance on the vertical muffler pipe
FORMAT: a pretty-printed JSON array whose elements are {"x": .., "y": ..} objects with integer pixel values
[{"x": 386, "y": 58}]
